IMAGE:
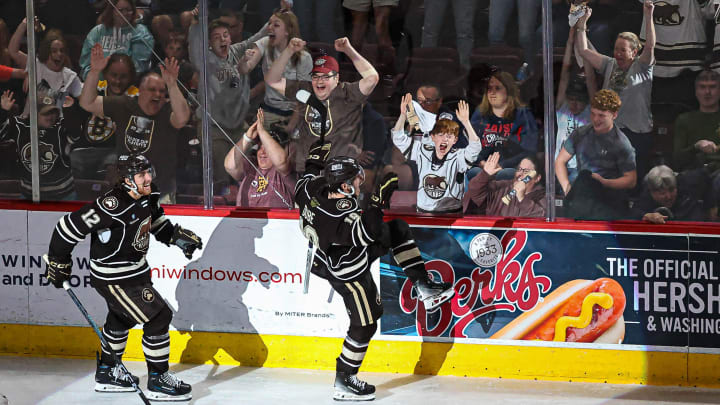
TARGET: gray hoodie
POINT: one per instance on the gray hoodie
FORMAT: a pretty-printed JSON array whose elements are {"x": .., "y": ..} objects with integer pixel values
[{"x": 228, "y": 105}]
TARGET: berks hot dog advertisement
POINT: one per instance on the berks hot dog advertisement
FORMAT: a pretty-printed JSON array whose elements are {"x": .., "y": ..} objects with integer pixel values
[{"x": 561, "y": 286}]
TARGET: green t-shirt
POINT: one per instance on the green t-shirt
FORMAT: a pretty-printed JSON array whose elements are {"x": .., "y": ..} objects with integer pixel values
[{"x": 689, "y": 128}]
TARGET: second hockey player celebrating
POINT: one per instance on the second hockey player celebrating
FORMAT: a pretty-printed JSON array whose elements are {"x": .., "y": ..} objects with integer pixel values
[
  {"x": 120, "y": 223},
  {"x": 348, "y": 241}
]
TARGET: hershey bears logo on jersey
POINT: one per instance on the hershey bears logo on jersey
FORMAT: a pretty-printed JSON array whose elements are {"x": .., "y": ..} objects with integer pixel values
[
  {"x": 148, "y": 295},
  {"x": 138, "y": 134},
  {"x": 99, "y": 129},
  {"x": 434, "y": 186},
  {"x": 142, "y": 238},
  {"x": 667, "y": 14},
  {"x": 312, "y": 117},
  {"x": 343, "y": 204},
  {"x": 48, "y": 156},
  {"x": 110, "y": 203}
]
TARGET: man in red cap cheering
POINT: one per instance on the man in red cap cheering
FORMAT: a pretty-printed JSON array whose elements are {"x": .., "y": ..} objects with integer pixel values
[{"x": 343, "y": 100}]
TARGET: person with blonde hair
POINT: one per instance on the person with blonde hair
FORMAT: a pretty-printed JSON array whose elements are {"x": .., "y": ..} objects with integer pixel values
[
  {"x": 629, "y": 72},
  {"x": 505, "y": 125}
]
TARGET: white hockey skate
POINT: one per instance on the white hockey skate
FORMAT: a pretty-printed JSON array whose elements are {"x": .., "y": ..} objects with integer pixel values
[
  {"x": 433, "y": 294},
  {"x": 350, "y": 388}
]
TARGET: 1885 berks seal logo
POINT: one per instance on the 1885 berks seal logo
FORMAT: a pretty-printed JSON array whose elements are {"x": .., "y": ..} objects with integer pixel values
[{"x": 485, "y": 250}]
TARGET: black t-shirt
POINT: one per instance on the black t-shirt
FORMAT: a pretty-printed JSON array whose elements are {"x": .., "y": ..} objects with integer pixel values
[{"x": 152, "y": 136}]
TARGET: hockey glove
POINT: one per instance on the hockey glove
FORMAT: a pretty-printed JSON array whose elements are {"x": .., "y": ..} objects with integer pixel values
[
  {"x": 317, "y": 155},
  {"x": 383, "y": 191},
  {"x": 57, "y": 270},
  {"x": 186, "y": 240}
]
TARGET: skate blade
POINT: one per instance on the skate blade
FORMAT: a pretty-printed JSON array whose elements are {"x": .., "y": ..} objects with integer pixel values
[
  {"x": 433, "y": 302},
  {"x": 99, "y": 387},
  {"x": 349, "y": 396},
  {"x": 159, "y": 396}
]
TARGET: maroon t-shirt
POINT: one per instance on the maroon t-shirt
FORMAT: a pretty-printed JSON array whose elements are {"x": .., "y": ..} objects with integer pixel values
[{"x": 256, "y": 190}]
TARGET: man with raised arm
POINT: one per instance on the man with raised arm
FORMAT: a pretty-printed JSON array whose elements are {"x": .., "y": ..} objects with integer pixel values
[
  {"x": 343, "y": 100},
  {"x": 348, "y": 241},
  {"x": 146, "y": 124}
]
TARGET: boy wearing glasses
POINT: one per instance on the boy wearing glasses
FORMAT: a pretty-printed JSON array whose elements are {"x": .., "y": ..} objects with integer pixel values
[
  {"x": 441, "y": 166},
  {"x": 344, "y": 100}
]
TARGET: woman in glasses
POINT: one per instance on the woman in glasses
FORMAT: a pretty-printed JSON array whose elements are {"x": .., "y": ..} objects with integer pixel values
[
  {"x": 505, "y": 125},
  {"x": 522, "y": 196},
  {"x": 119, "y": 32}
]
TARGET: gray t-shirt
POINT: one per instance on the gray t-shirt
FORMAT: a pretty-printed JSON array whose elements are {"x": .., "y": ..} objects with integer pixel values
[
  {"x": 300, "y": 72},
  {"x": 609, "y": 155},
  {"x": 228, "y": 89},
  {"x": 634, "y": 87}
]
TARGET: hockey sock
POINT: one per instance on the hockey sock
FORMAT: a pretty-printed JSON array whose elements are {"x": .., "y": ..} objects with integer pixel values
[
  {"x": 408, "y": 257},
  {"x": 157, "y": 352},
  {"x": 352, "y": 356},
  {"x": 354, "y": 347},
  {"x": 117, "y": 341}
]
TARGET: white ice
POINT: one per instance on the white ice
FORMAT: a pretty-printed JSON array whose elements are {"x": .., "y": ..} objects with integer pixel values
[{"x": 33, "y": 380}]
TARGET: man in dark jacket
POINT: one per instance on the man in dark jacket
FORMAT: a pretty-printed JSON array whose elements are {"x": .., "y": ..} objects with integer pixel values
[{"x": 682, "y": 197}]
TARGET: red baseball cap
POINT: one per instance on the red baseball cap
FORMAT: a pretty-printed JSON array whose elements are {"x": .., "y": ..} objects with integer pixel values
[{"x": 325, "y": 64}]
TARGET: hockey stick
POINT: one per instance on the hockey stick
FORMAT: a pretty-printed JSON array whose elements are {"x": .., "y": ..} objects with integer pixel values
[
  {"x": 66, "y": 286},
  {"x": 309, "y": 98},
  {"x": 308, "y": 266}
]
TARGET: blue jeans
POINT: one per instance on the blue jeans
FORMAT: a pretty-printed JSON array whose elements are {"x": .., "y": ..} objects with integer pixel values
[
  {"x": 317, "y": 17},
  {"x": 464, "y": 11},
  {"x": 499, "y": 16}
]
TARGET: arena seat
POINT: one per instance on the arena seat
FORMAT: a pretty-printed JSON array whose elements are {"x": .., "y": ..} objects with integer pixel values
[{"x": 504, "y": 57}]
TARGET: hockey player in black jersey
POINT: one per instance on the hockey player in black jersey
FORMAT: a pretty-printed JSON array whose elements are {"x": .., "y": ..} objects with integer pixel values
[
  {"x": 120, "y": 223},
  {"x": 348, "y": 240}
]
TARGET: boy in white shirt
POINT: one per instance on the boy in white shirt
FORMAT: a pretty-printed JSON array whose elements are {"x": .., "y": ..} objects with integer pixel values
[{"x": 441, "y": 166}]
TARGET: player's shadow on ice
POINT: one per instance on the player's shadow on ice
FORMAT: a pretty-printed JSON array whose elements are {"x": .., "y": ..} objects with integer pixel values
[{"x": 207, "y": 306}]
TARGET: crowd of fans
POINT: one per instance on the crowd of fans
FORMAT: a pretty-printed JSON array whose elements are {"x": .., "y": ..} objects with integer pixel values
[{"x": 450, "y": 100}]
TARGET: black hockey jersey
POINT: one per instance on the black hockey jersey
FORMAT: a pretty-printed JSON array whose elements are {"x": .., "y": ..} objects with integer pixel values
[
  {"x": 341, "y": 231},
  {"x": 56, "y": 180},
  {"x": 119, "y": 228}
]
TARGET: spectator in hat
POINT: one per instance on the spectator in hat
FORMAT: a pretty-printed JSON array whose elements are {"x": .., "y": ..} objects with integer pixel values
[
  {"x": 573, "y": 109},
  {"x": 56, "y": 179},
  {"x": 272, "y": 184},
  {"x": 343, "y": 100}
]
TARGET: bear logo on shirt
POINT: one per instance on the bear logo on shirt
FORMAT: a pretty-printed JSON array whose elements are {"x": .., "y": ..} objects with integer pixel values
[{"x": 434, "y": 186}]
